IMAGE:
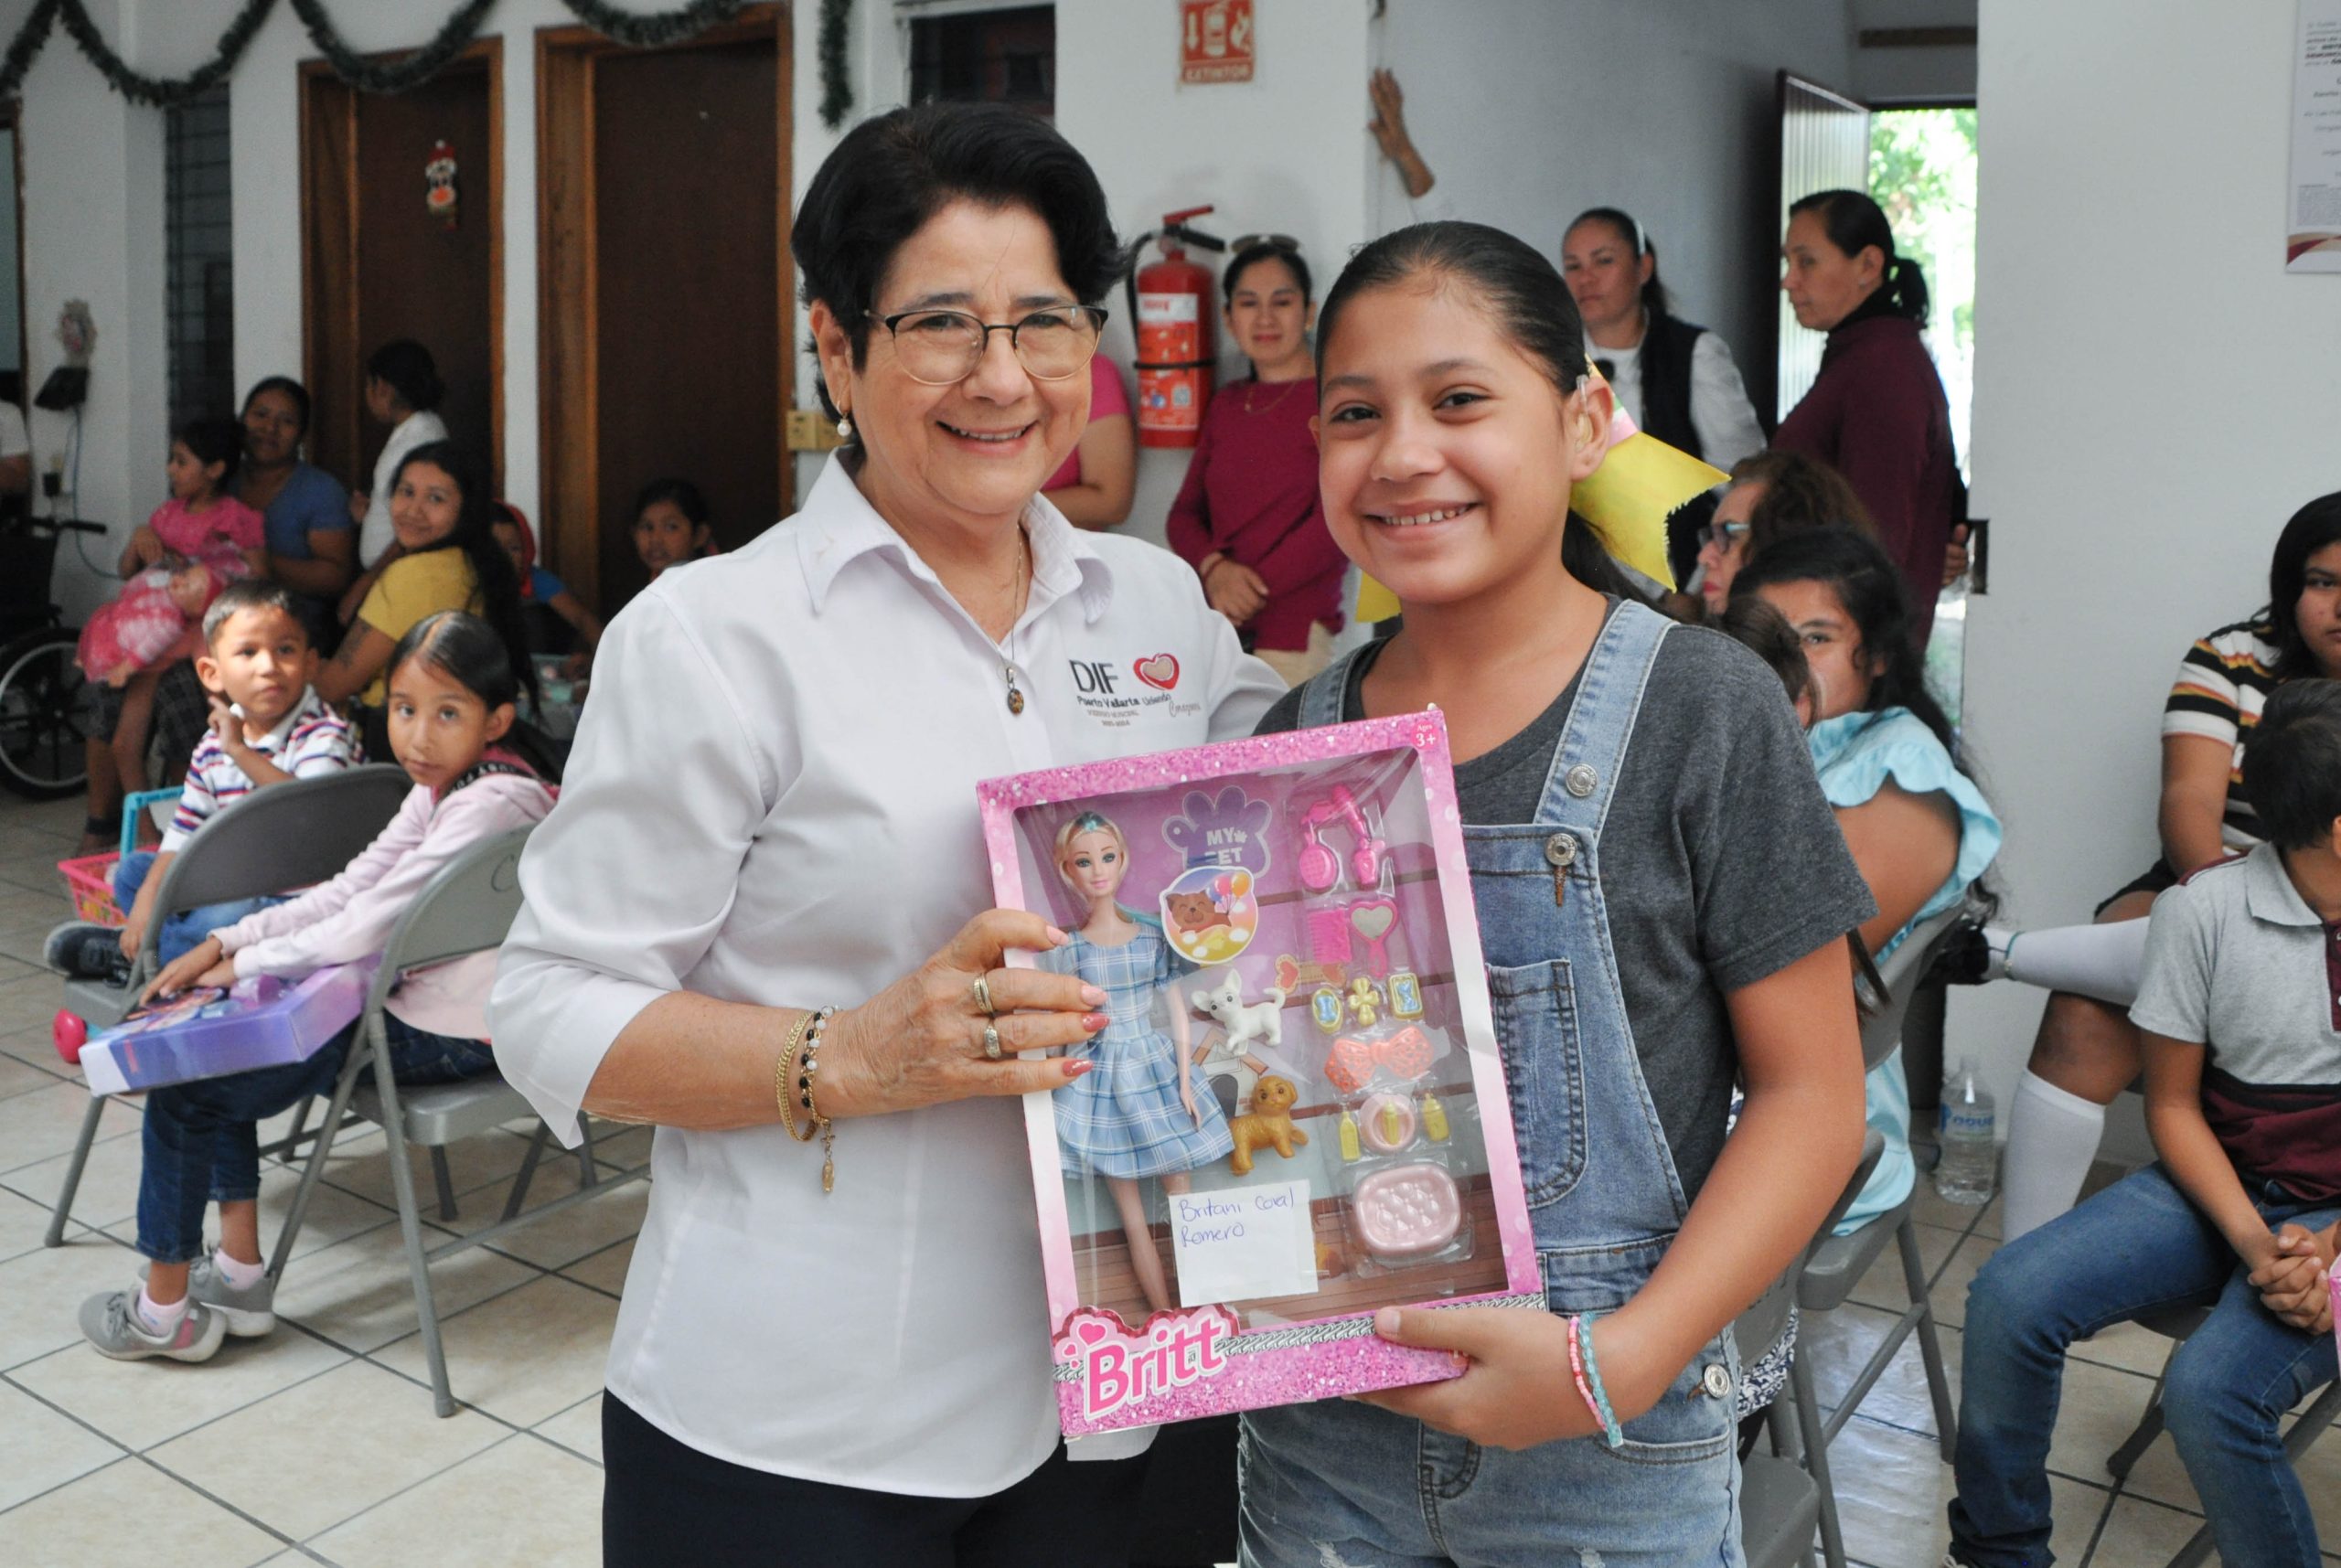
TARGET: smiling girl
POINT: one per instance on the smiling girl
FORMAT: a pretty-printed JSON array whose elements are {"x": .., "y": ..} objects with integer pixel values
[
  {"x": 1248, "y": 518},
  {"x": 1661, "y": 896},
  {"x": 445, "y": 557}
]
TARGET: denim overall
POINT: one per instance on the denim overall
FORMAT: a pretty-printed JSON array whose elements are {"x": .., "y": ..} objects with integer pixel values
[{"x": 1343, "y": 1483}]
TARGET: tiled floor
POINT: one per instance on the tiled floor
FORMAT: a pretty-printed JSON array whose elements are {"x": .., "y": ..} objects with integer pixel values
[{"x": 318, "y": 1443}]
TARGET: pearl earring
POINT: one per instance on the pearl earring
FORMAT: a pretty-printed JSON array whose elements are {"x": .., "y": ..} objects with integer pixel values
[{"x": 845, "y": 427}]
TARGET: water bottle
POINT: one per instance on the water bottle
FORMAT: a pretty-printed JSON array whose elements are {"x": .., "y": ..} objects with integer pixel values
[{"x": 1970, "y": 1162}]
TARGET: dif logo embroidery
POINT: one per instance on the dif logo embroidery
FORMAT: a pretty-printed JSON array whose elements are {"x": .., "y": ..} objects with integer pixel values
[{"x": 1121, "y": 1367}]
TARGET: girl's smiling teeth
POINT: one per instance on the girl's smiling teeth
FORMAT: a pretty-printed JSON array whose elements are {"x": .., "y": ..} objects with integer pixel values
[
  {"x": 994, "y": 437},
  {"x": 1426, "y": 514}
]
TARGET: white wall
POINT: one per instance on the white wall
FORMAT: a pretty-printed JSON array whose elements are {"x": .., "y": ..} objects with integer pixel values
[
  {"x": 1532, "y": 110},
  {"x": 1932, "y": 74},
  {"x": 93, "y": 227},
  {"x": 2136, "y": 471}
]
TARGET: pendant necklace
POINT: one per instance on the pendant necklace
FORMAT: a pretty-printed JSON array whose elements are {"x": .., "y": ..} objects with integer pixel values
[
  {"x": 1279, "y": 397},
  {"x": 1024, "y": 596}
]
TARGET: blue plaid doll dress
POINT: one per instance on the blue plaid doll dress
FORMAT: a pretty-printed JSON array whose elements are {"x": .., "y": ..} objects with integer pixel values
[{"x": 1122, "y": 1117}]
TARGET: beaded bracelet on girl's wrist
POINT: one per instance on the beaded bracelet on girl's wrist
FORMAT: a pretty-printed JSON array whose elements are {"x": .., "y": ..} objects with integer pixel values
[{"x": 1587, "y": 1374}]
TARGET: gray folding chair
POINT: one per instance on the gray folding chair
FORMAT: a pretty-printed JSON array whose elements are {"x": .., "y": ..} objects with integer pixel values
[
  {"x": 287, "y": 835},
  {"x": 2176, "y": 1323},
  {"x": 466, "y": 908},
  {"x": 1838, "y": 1262},
  {"x": 1779, "y": 1498}
]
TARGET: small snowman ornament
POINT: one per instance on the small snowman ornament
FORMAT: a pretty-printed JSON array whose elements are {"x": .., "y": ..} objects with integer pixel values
[{"x": 440, "y": 200}]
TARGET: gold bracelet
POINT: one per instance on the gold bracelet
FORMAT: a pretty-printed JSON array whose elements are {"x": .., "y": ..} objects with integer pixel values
[
  {"x": 780, "y": 1078},
  {"x": 809, "y": 1072}
]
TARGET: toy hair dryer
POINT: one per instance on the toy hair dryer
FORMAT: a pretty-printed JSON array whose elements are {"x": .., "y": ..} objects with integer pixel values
[{"x": 1321, "y": 868}]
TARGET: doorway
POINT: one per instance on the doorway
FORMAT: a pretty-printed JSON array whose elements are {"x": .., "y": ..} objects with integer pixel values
[
  {"x": 664, "y": 286},
  {"x": 378, "y": 263}
]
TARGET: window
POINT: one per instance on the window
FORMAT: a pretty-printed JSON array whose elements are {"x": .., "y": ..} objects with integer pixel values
[
  {"x": 200, "y": 280},
  {"x": 987, "y": 57}
]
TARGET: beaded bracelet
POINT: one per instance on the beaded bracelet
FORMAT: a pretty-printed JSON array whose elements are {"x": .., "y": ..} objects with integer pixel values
[
  {"x": 780, "y": 1079},
  {"x": 1589, "y": 1380},
  {"x": 808, "y": 1069}
]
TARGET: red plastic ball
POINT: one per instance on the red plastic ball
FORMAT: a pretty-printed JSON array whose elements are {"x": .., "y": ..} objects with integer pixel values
[{"x": 70, "y": 1034}]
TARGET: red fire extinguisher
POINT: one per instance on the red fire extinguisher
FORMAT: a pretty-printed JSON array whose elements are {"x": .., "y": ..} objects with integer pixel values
[{"x": 1170, "y": 309}]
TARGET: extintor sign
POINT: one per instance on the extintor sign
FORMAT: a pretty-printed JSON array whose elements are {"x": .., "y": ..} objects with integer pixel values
[{"x": 1215, "y": 41}]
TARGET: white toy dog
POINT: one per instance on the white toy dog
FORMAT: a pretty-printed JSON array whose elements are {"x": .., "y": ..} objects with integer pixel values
[{"x": 1260, "y": 1022}]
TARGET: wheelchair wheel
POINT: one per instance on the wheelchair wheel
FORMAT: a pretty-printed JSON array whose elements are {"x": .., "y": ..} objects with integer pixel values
[{"x": 47, "y": 712}]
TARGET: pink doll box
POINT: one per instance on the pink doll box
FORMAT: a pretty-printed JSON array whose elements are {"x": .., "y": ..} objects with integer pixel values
[
  {"x": 207, "y": 1032},
  {"x": 1288, "y": 917}
]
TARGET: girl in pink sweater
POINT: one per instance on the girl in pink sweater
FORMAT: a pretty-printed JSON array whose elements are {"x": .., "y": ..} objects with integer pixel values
[{"x": 451, "y": 691}]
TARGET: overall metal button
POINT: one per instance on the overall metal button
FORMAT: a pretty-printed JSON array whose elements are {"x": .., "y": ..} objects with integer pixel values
[
  {"x": 1716, "y": 1381},
  {"x": 1580, "y": 780},
  {"x": 1560, "y": 849}
]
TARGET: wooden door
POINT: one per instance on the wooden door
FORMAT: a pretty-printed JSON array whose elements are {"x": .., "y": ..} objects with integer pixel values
[
  {"x": 1825, "y": 145},
  {"x": 379, "y": 265},
  {"x": 663, "y": 217}
]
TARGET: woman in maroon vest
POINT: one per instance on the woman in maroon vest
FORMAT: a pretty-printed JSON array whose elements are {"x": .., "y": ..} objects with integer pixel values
[{"x": 1877, "y": 412}]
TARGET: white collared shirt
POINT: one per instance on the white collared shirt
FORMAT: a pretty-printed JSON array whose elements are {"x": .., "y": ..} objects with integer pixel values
[
  {"x": 771, "y": 800},
  {"x": 1720, "y": 411}
]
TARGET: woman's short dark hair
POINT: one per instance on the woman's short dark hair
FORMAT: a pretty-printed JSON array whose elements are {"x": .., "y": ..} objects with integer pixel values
[
  {"x": 894, "y": 171},
  {"x": 294, "y": 393},
  {"x": 2292, "y": 763},
  {"x": 1524, "y": 297},
  {"x": 1801, "y": 494},
  {"x": 213, "y": 438},
  {"x": 2311, "y": 529},
  {"x": 475, "y": 534},
  {"x": 1629, "y": 230},
  {"x": 407, "y": 368},
  {"x": 1266, "y": 250},
  {"x": 1857, "y": 568},
  {"x": 1853, "y": 223},
  {"x": 679, "y": 494}
]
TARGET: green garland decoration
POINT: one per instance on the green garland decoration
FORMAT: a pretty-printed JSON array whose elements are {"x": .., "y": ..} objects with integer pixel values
[
  {"x": 163, "y": 92},
  {"x": 455, "y": 35},
  {"x": 636, "y": 31},
  {"x": 25, "y": 46},
  {"x": 837, "y": 87}
]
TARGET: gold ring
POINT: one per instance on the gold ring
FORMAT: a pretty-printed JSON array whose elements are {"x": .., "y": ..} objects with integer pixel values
[
  {"x": 991, "y": 1042},
  {"x": 982, "y": 988}
]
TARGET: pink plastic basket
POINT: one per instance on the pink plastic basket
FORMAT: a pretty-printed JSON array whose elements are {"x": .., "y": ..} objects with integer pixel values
[{"x": 89, "y": 887}]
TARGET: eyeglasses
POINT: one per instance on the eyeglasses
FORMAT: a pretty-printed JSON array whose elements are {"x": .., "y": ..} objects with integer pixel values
[
  {"x": 943, "y": 348},
  {"x": 1725, "y": 535},
  {"x": 1237, "y": 246}
]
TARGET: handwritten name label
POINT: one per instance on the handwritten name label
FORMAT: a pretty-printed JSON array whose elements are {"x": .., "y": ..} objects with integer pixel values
[{"x": 1244, "y": 1243}]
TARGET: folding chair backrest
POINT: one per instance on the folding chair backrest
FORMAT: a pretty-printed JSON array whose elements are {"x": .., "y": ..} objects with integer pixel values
[
  {"x": 1882, "y": 1032},
  {"x": 286, "y": 836},
  {"x": 467, "y": 907}
]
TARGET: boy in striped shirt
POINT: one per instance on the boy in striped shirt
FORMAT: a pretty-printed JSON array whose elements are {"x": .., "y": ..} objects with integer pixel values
[{"x": 268, "y": 725}]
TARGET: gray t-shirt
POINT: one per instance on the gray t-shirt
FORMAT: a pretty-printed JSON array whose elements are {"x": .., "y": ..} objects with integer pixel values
[{"x": 1721, "y": 863}]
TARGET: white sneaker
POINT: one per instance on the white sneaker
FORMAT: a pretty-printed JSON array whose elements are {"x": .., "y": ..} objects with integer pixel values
[{"x": 109, "y": 1322}]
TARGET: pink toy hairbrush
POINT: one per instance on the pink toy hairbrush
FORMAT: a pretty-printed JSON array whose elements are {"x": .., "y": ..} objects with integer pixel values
[{"x": 1319, "y": 868}]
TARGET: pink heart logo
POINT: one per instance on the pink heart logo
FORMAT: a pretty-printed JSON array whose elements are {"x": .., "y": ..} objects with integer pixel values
[
  {"x": 1090, "y": 1333},
  {"x": 1161, "y": 672}
]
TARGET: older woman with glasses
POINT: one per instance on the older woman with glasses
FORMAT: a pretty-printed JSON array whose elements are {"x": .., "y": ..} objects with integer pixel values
[
  {"x": 1772, "y": 496},
  {"x": 759, "y": 918},
  {"x": 1248, "y": 518}
]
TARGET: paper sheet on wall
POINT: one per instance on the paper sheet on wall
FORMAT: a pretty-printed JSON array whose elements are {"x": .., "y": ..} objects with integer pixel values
[
  {"x": 2312, "y": 233},
  {"x": 1245, "y": 1243}
]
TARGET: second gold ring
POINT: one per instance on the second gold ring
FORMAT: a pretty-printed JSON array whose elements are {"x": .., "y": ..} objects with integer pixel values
[
  {"x": 991, "y": 1042},
  {"x": 982, "y": 987}
]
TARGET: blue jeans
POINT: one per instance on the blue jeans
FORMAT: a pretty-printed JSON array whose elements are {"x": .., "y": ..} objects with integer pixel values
[
  {"x": 2136, "y": 1246},
  {"x": 202, "y": 1140},
  {"x": 185, "y": 931}
]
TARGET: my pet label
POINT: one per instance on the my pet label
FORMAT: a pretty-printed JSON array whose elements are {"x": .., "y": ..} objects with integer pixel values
[{"x": 1244, "y": 1243}]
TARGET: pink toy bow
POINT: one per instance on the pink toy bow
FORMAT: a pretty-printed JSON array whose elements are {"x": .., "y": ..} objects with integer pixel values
[{"x": 1351, "y": 1061}]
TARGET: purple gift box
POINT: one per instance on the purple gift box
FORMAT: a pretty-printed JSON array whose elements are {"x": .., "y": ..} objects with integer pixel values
[{"x": 207, "y": 1032}]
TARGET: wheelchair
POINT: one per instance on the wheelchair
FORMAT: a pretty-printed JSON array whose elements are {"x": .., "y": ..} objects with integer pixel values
[{"x": 48, "y": 709}]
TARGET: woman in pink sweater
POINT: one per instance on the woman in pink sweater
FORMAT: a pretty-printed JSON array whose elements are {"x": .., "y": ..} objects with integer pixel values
[{"x": 452, "y": 693}]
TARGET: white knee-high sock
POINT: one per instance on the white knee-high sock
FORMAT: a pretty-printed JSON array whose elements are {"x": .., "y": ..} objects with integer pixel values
[
  {"x": 2105, "y": 961},
  {"x": 2052, "y": 1140}
]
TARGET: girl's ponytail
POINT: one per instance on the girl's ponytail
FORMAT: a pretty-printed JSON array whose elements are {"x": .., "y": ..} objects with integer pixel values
[{"x": 1906, "y": 289}]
